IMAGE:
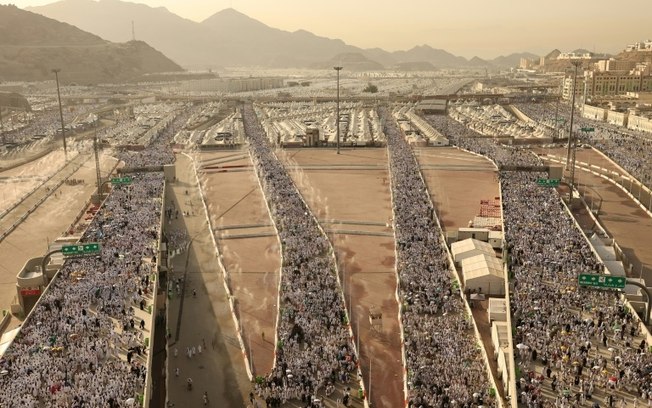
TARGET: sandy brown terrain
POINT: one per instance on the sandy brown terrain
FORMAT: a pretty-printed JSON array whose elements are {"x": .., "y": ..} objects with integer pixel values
[{"x": 249, "y": 247}]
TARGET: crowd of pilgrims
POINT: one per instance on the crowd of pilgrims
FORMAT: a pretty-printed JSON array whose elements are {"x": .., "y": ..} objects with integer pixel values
[
  {"x": 314, "y": 349},
  {"x": 628, "y": 148},
  {"x": 83, "y": 346},
  {"x": 444, "y": 364},
  {"x": 573, "y": 346}
]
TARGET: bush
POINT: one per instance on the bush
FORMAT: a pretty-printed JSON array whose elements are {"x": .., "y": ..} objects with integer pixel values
[{"x": 371, "y": 88}]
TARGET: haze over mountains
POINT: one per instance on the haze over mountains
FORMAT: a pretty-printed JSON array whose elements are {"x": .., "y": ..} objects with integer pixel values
[
  {"x": 31, "y": 45},
  {"x": 230, "y": 38}
]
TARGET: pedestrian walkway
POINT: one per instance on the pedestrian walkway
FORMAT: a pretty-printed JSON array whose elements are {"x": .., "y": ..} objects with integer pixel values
[{"x": 200, "y": 326}]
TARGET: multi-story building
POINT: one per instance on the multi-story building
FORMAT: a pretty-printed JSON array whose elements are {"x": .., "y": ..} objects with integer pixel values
[
  {"x": 605, "y": 80},
  {"x": 574, "y": 55},
  {"x": 615, "y": 65},
  {"x": 640, "y": 46}
]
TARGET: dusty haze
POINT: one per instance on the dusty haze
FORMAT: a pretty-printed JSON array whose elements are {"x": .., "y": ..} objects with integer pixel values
[{"x": 465, "y": 27}]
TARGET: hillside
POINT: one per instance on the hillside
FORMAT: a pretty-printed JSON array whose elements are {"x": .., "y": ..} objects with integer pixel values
[
  {"x": 353, "y": 61},
  {"x": 32, "y": 45},
  {"x": 227, "y": 38}
]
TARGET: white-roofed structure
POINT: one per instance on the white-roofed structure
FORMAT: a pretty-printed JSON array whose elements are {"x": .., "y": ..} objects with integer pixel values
[
  {"x": 470, "y": 247},
  {"x": 497, "y": 310},
  {"x": 484, "y": 273}
]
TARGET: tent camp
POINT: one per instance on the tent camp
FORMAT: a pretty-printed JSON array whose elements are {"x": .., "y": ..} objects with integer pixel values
[{"x": 470, "y": 247}]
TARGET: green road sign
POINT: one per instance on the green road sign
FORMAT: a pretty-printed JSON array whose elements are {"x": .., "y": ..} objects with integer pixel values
[
  {"x": 548, "y": 182},
  {"x": 587, "y": 129},
  {"x": 121, "y": 180},
  {"x": 81, "y": 249},
  {"x": 561, "y": 120},
  {"x": 602, "y": 281}
]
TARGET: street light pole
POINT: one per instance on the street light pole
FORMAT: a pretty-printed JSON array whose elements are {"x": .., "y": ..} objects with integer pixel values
[
  {"x": 337, "y": 119},
  {"x": 2, "y": 128},
  {"x": 63, "y": 128},
  {"x": 570, "y": 158}
]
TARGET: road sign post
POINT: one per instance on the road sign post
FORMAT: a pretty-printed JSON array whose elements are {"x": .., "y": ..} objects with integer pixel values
[
  {"x": 121, "y": 180},
  {"x": 601, "y": 281},
  {"x": 89, "y": 248},
  {"x": 547, "y": 182}
]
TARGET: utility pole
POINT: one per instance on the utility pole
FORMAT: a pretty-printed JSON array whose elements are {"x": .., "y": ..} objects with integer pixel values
[
  {"x": 98, "y": 175},
  {"x": 337, "y": 119},
  {"x": 557, "y": 117},
  {"x": 2, "y": 128},
  {"x": 63, "y": 128},
  {"x": 570, "y": 157}
]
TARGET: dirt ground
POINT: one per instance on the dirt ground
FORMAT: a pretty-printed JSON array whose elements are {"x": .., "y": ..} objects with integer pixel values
[
  {"x": 355, "y": 189},
  {"x": 457, "y": 181},
  {"x": 234, "y": 199}
]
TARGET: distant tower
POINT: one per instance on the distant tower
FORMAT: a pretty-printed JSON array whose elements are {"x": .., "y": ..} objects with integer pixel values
[{"x": 133, "y": 31}]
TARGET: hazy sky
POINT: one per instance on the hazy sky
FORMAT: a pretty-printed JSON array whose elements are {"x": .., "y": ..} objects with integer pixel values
[{"x": 486, "y": 28}]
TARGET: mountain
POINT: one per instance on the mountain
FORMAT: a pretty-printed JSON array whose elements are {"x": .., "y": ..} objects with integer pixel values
[
  {"x": 353, "y": 61},
  {"x": 479, "y": 62},
  {"x": 242, "y": 40},
  {"x": 425, "y": 53},
  {"x": 32, "y": 45},
  {"x": 182, "y": 40},
  {"x": 227, "y": 38},
  {"x": 230, "y": 38},
  {"x": 513, "y": 60}
]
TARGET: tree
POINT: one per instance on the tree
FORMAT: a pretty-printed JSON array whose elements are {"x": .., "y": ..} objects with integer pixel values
[{"x": 371, "y": 88}]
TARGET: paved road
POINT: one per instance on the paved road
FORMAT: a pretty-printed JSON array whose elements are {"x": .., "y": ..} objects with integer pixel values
[{"x": 202, "y": 319}]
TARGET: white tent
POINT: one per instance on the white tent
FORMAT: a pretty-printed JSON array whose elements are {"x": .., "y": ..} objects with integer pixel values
[
  {"x": 470, "y": 247},
  {"x": 484, "y": 273},
  {"x": 497, "y": 309}
]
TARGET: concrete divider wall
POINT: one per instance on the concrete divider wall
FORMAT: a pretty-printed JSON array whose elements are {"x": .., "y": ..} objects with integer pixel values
[{"x": 641, "y": 124}]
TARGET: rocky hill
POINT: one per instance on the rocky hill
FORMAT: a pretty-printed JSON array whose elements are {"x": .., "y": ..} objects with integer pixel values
[
  {"x": 31, "y": 45},
  {"x": 230, "y": 38}
]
